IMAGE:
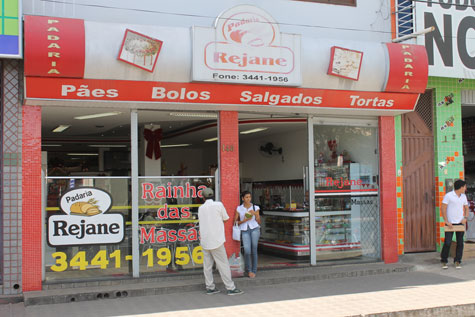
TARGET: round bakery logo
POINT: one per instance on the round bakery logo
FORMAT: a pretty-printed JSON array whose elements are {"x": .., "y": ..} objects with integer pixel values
[
  {"x": 85, "y": 219},
  {"x": 249, "y": 29},
  {"x": 85, "y": 201}
]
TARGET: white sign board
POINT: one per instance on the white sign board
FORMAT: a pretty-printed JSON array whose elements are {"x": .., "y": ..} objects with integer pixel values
[
  {"x": 451, "y": 47},
  {"x": 85, "y": 220},
  {"x": 246, "y": 46}
]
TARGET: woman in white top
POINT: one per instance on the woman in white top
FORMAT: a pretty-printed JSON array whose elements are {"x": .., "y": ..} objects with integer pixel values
[{"x": 249, "y": 220}]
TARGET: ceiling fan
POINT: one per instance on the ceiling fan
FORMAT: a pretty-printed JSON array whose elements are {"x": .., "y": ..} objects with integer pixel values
[{"x": 269, "y": 149}]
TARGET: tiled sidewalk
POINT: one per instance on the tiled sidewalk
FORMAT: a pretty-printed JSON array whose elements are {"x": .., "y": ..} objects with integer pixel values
[
  {"x": 406, "y": 293},
  {"x": 404, "y": 299}
]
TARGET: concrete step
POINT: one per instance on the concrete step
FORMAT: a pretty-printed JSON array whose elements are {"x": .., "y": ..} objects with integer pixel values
[
  {"x": 125, "y": 280},
  {"x": 195, "y": 282}
]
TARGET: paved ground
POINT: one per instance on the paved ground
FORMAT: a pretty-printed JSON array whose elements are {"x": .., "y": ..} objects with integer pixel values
[{"x": 428, "y": 286}]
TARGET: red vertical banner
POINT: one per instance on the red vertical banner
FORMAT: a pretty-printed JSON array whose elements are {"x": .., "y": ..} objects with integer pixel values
[
  {"x": 408, "y": 68},
  {"x": 54, "y": 47},
  {"x": 229, "y": 171},
  {"x": 387, "y": 189},
  {"x": 31, "y": 204}
]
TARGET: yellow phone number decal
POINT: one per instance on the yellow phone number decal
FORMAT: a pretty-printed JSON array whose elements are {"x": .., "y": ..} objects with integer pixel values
[{"x": 162, "y": 257}]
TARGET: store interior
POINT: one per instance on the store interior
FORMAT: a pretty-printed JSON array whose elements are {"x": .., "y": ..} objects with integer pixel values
[
  {"x": 468, "y": 137},
  {"x": 94, "y": 142},
  {"x": 91, "y": 147}
]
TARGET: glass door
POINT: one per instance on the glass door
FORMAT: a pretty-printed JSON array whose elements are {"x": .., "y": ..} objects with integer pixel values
[{"x": 346, "y": 175}]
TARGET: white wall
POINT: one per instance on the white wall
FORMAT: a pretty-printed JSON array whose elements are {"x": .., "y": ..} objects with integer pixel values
[
  {"x": 258, "y": 167},
  {"x": 370, "y": 20}
]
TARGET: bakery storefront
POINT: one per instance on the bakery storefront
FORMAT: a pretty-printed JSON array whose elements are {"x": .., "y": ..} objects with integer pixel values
[{"x": 127, "y": 124}]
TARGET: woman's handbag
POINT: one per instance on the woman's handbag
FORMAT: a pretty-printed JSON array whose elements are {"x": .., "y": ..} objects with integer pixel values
[{"x": 236, "y": 232}]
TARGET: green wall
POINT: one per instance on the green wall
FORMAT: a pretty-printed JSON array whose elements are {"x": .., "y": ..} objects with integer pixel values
[{"x": 448, "y": 151}]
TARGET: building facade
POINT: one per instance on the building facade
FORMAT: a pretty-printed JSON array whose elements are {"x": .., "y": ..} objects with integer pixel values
[
  {"x": 130, "y": 111},
  {"x": 11, "y": 74},
  {"x": 444, "y": 113}
]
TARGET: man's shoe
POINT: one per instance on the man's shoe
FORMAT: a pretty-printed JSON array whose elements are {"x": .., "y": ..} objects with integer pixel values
[
  {"x": 445, "y": 266},
  {"x": 212, "y": 291},
  {"x": 458, "y": 265},
  {"x": 235, "y": 292}
]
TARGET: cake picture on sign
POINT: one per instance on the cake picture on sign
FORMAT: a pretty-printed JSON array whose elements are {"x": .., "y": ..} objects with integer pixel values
[
  {"x": 345, "y": 63},
  {"x": 140, "y": 50}
]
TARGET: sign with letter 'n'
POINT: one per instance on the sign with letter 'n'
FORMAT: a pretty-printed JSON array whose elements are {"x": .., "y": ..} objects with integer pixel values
[
  {"x": 85, "y": 220},
  {"x": 246, "y": 46}
]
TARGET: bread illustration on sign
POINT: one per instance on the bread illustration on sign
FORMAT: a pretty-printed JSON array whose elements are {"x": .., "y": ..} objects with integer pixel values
[{"x": 89, "y": 208}]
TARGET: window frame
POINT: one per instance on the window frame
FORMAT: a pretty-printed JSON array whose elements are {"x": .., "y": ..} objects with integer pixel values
[{"x": 350, "y": 3}]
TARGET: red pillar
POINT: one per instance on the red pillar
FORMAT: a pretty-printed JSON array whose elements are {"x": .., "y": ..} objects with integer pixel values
[
  {"x": 31, "y": 194},
  {"x": 229, "y": 171},
  {"x": 387, "y": 189}
]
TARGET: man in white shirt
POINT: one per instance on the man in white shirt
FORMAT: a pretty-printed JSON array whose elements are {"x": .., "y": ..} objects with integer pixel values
[
  {"x": 455, "y": 212},
  {"x": 212, "y": 216}
]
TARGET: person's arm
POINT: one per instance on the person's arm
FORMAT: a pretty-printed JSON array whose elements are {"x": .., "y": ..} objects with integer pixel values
[
  {"x": 258, "y": 216},
  {"x": 465, "y": 214},
  {"x": 443, "y": 210},
  {"x": 236, "y": 218},
  {"x": 224, "y": 214},
  {"x": 255, "y": 212}
]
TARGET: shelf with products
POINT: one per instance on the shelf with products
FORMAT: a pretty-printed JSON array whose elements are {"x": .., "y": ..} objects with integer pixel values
[
  {"x": 329, "y": 176},
  {"x": 341, "y": 191},
  {"x": 286, "y": 235},
  {"x": 280, "y": 195},
  {"x": 285, "y": 217}
]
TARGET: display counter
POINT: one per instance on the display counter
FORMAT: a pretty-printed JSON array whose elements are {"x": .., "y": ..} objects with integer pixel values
[{"x": 285, "y": 233}]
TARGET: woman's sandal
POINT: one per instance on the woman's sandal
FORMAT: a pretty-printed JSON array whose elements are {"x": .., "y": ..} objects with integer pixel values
[{"x": 252, "y": 275}]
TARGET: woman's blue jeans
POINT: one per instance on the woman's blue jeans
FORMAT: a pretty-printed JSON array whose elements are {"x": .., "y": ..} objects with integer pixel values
[{"x": 250, "y": 237}]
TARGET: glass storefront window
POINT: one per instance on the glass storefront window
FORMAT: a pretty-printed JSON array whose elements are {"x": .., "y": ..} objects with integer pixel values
[
  {"x": 89, "y": 214},
  {"x": 346, "y": 193},
  {"x": 168, "y": 223},
  {"x": 75, "y": 262}
]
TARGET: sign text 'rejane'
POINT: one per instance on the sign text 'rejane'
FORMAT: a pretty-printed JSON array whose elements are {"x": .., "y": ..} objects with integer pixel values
[
  {"x": 85, "y": 220},
  {"x": 246, "y": 46}
]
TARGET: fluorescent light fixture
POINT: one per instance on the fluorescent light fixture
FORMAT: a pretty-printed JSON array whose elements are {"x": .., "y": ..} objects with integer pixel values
[
  {"x": 83, "y": 154},
  {"x": 211, "y": 140},
  {"x": 98, "y": 115},
  {"x": 253, "y": 130},
  {"x": 194, "y": 114},
  {"x": 174, "y": 145},
  {"x": 107, "y": 145},
  {"x": 52, "y": 145},
  {"x": 61, "y": 128}
]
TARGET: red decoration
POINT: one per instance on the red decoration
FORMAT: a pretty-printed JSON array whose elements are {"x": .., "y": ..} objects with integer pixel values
[{"x": 153, "y": 139}]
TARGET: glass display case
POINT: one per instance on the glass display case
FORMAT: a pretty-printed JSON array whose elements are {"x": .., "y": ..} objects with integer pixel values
[
  {"x": 285, "y": 217},
  {"x": 340, "y": 193}
]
